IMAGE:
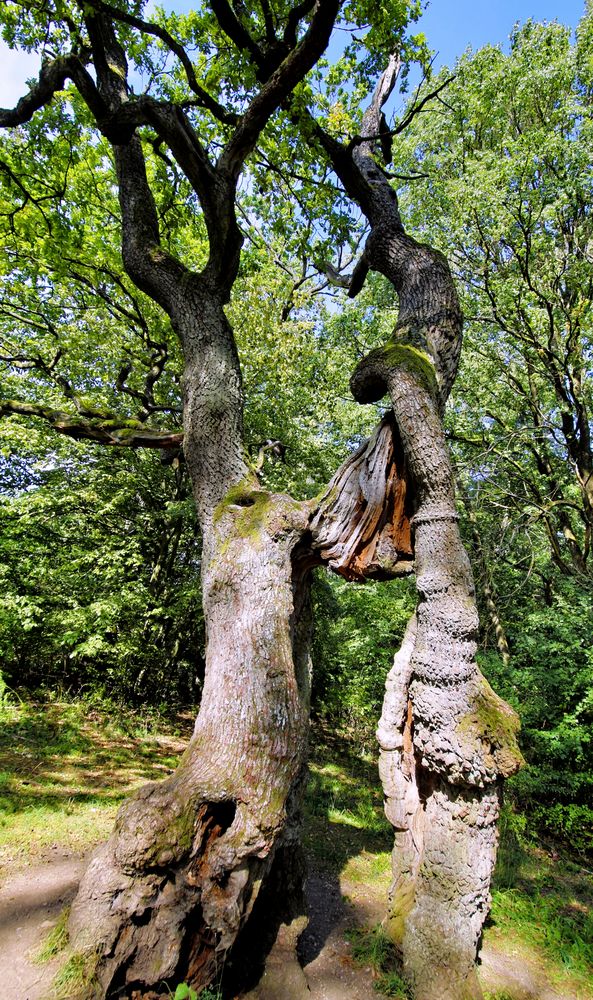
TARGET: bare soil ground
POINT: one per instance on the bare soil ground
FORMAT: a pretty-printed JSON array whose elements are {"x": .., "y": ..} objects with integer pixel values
[
  {"x": 62, "y": 776},
  {"x": 32, "y": 900}
]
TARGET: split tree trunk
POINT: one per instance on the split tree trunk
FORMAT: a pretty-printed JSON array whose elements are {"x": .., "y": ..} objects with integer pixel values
[{"x": 171, "y": 893}]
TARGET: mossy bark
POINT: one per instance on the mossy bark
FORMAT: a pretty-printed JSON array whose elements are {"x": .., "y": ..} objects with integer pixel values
[
  {"x": 447, "y": 740},
  {"x": 168, "y": 896}
]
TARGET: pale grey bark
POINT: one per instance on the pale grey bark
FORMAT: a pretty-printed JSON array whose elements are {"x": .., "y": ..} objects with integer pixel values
[
  {"x": 446, "y": 739},
  {"x": 170, "y": 892}
]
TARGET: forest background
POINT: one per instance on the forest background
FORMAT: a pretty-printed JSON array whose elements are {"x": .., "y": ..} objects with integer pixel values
[{"x": 99, "y": 558}]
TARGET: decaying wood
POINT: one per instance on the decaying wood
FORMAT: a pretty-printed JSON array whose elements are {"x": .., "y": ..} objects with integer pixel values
[{"x": 361, "y": 527}]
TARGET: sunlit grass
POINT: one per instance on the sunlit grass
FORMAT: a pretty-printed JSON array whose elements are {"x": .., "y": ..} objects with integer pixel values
[
  {"x": 373, "y": 949},
  {"x": 56, "y": 941},
  {"x": 76, "y": 978},
  {"x": 540, "y": 905},
  {"x": 65, "y": 769},
  {"x": 551, "y": 926},
  {"x": 344, "y": 804},
  {"x": 370, "y": 869},
  {"x": 543, "y": 904}
]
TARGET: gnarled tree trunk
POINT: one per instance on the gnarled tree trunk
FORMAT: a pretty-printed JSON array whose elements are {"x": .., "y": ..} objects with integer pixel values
[
  {"x": 446, "y": 739},
  {"x": 168, "y": 894}
]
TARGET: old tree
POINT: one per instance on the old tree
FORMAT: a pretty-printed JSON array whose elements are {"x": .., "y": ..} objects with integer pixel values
[{"x": 196, "y": 103}]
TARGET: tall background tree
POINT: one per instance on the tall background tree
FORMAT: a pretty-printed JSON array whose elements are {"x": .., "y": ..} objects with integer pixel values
[{"x": 507, "y": 196}]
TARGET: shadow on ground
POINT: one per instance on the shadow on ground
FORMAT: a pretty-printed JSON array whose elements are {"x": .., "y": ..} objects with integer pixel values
[{"x": 56, "y": 752}]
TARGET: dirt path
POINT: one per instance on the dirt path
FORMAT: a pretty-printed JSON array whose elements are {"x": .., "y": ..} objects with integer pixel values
[
  {"x": 30, "y": 905},
  {"x": 32, "y": 900},
  {"x": 325, "y": 952},
  {"x": 516, "y": 974}
]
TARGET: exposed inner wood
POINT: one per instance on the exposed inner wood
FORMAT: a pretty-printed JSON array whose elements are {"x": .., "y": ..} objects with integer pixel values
[{"x": 361, "y": 528}]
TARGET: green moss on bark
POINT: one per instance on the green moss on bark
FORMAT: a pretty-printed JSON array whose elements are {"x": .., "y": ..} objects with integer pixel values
[
  {"x": 495, "y": 723},
  {"x": 413, "y": 360},
  {"x": 255, "y": 511}
]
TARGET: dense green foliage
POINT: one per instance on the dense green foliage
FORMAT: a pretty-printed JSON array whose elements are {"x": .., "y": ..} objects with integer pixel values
[
  {"x": 99, "y": 561},
  {"x": 508, "y": 198},
  {"x": 353, "y": 659}
]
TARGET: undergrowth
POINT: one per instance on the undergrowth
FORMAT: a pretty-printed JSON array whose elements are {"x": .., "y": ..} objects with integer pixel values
[
  {"x": 56, "y": 941},
  {"x": 372, "y": 948}
]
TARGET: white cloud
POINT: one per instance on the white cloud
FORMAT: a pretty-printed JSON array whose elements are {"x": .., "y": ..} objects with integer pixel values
[{"x": 15, "y": 69}]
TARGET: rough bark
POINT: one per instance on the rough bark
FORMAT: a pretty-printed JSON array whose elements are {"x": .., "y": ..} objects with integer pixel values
[
  {"x": 170, "y": 896},
  {"x": 170, "y": 892},
  {"x": 446, "y": 739}
]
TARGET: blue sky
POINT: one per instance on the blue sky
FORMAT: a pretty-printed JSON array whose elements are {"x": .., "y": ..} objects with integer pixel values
[{"x": 449, "y": 25}]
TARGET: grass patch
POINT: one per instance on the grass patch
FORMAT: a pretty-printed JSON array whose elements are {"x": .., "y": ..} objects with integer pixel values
[
  {"x": 560, "y": 926},
  {"x": 541, "y": 902},
  {"x": 56, "y": 941},
  {"x": 65, "y": 769},
  {"x": 372, "y": 948},
  {"x": 76, "y": 979},
  {"x": 344, "y": 816},
  {"x": 545, "y": 902},
  {"x": 369, "y": 868}
]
